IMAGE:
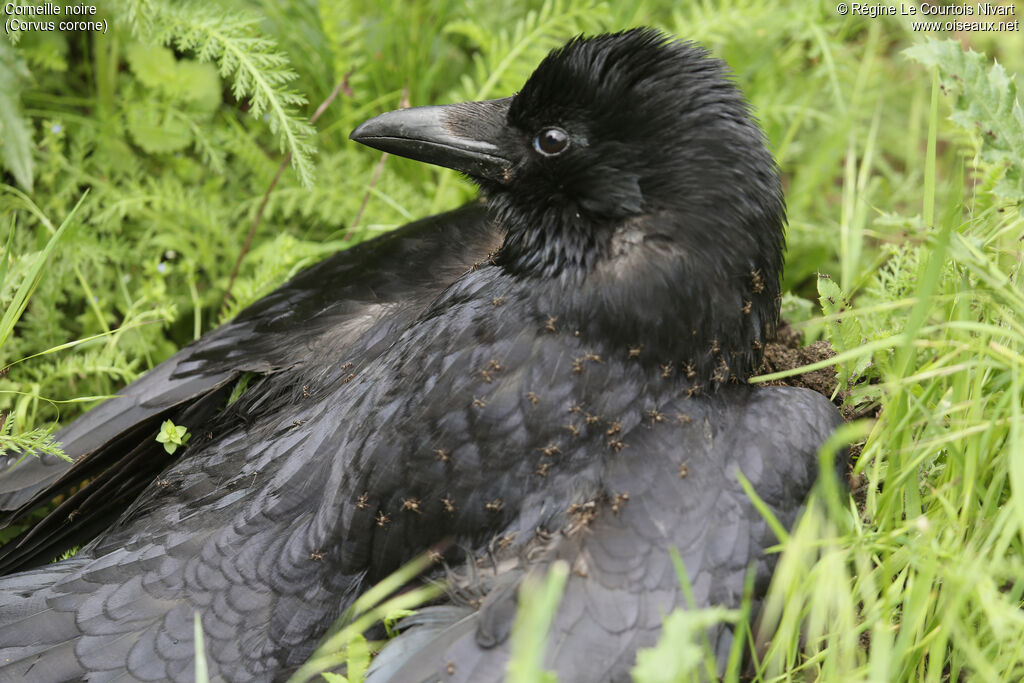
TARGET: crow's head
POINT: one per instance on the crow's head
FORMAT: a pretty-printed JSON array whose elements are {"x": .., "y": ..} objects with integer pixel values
[{"x": 629, "y": 171}]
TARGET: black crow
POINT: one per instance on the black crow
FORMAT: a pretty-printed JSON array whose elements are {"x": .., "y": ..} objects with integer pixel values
[{"x": 579, "y": 395}]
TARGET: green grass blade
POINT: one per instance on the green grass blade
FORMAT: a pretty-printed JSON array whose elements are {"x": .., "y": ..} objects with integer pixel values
[{"x": 31, "y": 281}]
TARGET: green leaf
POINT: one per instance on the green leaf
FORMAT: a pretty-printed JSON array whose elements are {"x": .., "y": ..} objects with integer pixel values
[
  {"x": 15, "y": 133},
  {"x": 15, "y": 141},
  {"x": 199, "y": 85},
  {"x": 35, "y": 442},
  {"x": 986, "y": 104},
  {"x": 258, "y": 71},
  {"x": 240, "y": 386},
  {"x": 183, "y": 81},
  {"x": 796, "y": 309},
  {"x": 358, "y": 660},
  {"x": 34, "y": 275},
  {"x": 45, "y": 49},
  {"x": 152, "y": 65},
  {"x": 844, "y": 330},
  {"x": 5, "y": 260},
  {"x": 157, "y": 128},
  {"x": 172, "y": 436},
  {"x": 392, "y": 619},
  {"x": 363, "y": 613},
  {"x": 69, "y": 553},
  {"x": 678, "y": 656},
  {"x": 539, "y": 598}
]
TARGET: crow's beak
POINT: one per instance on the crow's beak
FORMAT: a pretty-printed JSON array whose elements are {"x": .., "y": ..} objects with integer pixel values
[{"x": 467, "y": 137}]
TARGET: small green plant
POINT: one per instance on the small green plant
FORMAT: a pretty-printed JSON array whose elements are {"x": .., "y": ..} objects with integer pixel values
[
  {"x": 844, "y": 329},
  {"x": 679, "y": 657},
  {"x": 984, "y": 104},
  {"x": 172, "y": 436},
  {"x": 344, "y": 643},
  {"x": 357, "y": 661},
  {"x": 684, "y": 652},
  {"x": 68, "y": 554}
]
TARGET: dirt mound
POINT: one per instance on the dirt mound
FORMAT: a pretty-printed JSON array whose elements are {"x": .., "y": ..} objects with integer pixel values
[{"x": 787, "y": 351}]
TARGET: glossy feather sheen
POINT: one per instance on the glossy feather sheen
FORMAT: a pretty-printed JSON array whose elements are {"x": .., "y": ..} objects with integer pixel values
[{"x": 576, "y": 394}]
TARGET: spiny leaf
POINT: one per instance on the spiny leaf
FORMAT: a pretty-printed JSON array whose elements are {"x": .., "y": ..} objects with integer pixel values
[{"x": 986, "y": 103}]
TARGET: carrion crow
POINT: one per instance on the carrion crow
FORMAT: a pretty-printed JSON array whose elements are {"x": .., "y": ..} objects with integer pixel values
[{"x": 578, "y": 395}]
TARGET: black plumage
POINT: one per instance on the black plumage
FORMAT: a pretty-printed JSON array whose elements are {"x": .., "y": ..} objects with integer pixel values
[{"x": 577, "y": 394}]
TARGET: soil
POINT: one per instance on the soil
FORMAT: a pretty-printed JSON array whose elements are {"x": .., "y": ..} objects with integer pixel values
[{"x": 787, "y": 351}]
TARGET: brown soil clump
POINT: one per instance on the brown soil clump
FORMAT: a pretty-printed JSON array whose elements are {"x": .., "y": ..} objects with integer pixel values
[{"x": 787, "y": 351}]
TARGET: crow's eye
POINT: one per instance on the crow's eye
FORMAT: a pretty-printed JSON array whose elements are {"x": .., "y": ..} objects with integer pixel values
[{"x": 551, "y": 141}]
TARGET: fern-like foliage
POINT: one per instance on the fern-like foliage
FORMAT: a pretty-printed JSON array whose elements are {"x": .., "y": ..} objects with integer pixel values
[
  {"x": 845, "y": 331},
  {"x": 504, "y": 58},
  {"x": 985, "y": 103},
  {"x": 36, "y": 441},
  {"x": 258, "y": 72}
]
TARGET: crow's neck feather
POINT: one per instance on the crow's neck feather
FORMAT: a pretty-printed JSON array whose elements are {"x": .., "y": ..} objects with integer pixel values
[{"x": 693, "y": 311}]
